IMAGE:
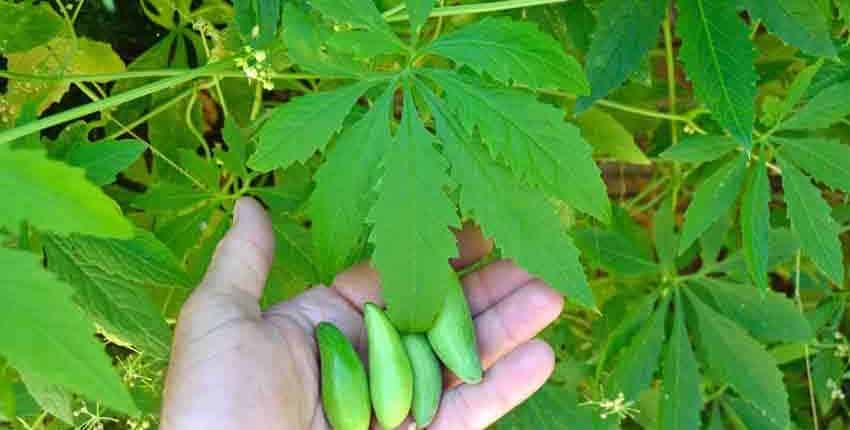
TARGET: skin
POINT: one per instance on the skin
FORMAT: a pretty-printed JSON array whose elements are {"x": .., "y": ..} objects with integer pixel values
[{"x": 235, "y": 366}]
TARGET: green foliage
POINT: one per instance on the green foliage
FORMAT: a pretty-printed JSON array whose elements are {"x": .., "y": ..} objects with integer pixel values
[{"x": 709, "y": 296}]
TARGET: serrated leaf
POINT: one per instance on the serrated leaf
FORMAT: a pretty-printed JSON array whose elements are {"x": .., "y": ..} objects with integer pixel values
[
  {"x": 52, "y": 398},
  {"x": 733, "y": 357},
  {"x": 554, "y": 407},
  {"x": 203, "y": 170},
  {"x": 532, "y": 138},
  {"x": 169, "y": 197},
  {"x": 236, "y": 156},
  {"x": 609, "y": 138},
  {"x": 44, "y": 333},
  {"x": 700, "y": 149},
  {"x": 712, "y": 199},
  {"x": 766, "y": 315},
  {"x": 521, "y": 220},
  {"x": 824, "y": 109},
  {"x": 827, "y": 160},
  {"x": 755, "y": 225},
  {"x": 361, "y": 44},
  {"x": 751, "y": 417},
  {"x": 411, "y": 219},
  {"x": 638, "y": 362},
  {"x": 681, "y": 401},
  {"x": 513, "y": 51},
  {"x": 299, "y": 128},
  {"x": 345, "y": 186},
  {"x": 104, "y": 160},
  {"x": 56, "y": 197},
  {"x": 291, "y": 191},
  {"x": 715, "y": 238},
  {"x": 25, "y": 26},
  {"x": 718, "y": 57},
  {"x": 113, "y": 279},
  {"x": 626, "y": 30},
  {"x": 781, "y": 243},
  {"x": 257, "y": 20},
  {"x": 798, "y": 22},
  {"x": 812, "y": 223},
  {"x": 356, "y": 13}
]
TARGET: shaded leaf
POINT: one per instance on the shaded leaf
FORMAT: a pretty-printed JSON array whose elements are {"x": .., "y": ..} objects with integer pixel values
[
  {"x": 168, "y": 197},
  {"x": 24, "y": 26},
  {"x": 104, "y": 160},
  {"x": 555, "y": 407},
  {"x": 609, "y": 138},
  {"x": 681, "y": 401},
  {"x": 718, "y": 57},
  {"x": 755, "y": 225},
  {"x": 635, "y": 367},
  {"x": 824, "y": 109},
  {"x": 798, "y": 22},
  {"x": 827, "y": 160},
  {"x": 712, "y": 199},
  {"x": 52, "y": 398},
  {"x": 812, "y": 223},
  {"x": 626, "y": 31},
  {"x": 700, "y": 149}
]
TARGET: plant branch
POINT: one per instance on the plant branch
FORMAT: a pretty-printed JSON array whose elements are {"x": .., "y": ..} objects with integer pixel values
[
  {"x": 108, "y": 103},
  {"x": 154, "y": 73},
  {"x": 476, "y": 8},
  {"x": 806, "y": 352}
]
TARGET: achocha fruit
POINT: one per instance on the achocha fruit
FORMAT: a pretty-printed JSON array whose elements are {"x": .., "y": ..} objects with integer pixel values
[
  {"x": 427, "y": 378},
  {"x": 453, "y": 337},
  {"x": 390, "y": 372},
  {"x": 345, "y": 389}
]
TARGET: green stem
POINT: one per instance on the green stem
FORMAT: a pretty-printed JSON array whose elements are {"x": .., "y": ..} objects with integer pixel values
[
  {"x": 477, "y": 8},
  {"x": 153, "y": 73},
  {"x": 671, "y": 95},
  {"x": 806, "y": 352},
  {"x": 144, "y": 118},
  {"x": 111, "y": 102}
]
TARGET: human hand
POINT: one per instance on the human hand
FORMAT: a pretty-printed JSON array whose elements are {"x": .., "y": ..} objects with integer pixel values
[{"x": 234, "y": 366}]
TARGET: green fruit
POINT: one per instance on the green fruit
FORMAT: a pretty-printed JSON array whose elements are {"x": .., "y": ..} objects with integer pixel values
[
  {"x": 390, "y": 373},
  {"x": 453, "y": 337},
  {"x": 345, "y": 390},
  {"x": 427, "y": 378}
]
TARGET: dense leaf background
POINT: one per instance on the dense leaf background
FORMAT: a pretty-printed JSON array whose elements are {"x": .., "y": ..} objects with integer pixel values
[{"x": 678, "y": 169}]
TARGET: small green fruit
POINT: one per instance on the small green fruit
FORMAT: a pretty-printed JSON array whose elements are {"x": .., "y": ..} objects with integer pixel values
[
  {"x": 453, "y": 337},
  {"x": 427, "y": 378},
  {"x": 390, "y": 373},
  {"x": 345, "y": 389}
]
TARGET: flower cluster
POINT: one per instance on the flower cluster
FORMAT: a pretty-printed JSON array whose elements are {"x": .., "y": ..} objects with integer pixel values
[{"x": 256, "y": 66}]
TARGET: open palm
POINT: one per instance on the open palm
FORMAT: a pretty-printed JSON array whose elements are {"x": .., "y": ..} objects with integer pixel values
[{"x": 235, "y": 366}]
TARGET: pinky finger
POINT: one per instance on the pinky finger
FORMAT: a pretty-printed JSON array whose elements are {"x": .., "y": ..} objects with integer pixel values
[{"x": 508, "y": 383}]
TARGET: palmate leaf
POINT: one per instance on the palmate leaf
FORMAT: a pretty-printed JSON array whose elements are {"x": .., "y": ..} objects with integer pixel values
[
  {"x": 54, "y": 196},
  {"x": 636, "y": 365},
  {"x": 513, "y": 51},
  {"x": 681, "y": 401},
  {"x": 532, "y": 138},
  {"x": 112, "y": 280},
  {"x": 812, "y": 223},
  {"x": 718, "y": 57},
  {"x": 625, "y": 331},
  {"x": 411, "y": 218},
  {"x": 524, "y": 224},
  {"x": 827, "y": 160},
  {"x": 712, "y": 199},
  {"x": 614, "y": 251},
  {"x": 306, "y": 40},
  {"x": 296, "y": 130},
  {"x": 627, "y": 30},
  {"x": 45, "y": 334},
  {"x": 345, "y": 188},
  {"x": 755, "y": 225},
  {"x": 798, "y": 22},
  {"x": 732, "y": 357},
  {"x": 356, "y": 13},
  {"x": 25, "y": 26},
  {"x": 170, "y": 197},
  {"x": 418, "y": 11}
]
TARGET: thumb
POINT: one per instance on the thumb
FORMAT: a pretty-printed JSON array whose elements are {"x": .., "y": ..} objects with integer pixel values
[{"x": 244, "y": 256}]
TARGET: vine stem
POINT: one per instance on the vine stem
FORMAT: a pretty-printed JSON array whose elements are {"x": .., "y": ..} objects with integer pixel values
[
  {"x": 154, "y": 73},
  {"x": 476, "y": 8},
  {"x": 806, "y": 352},
  {"x": 671, "y": 95},
  {"x": 108, "y": 103}
]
